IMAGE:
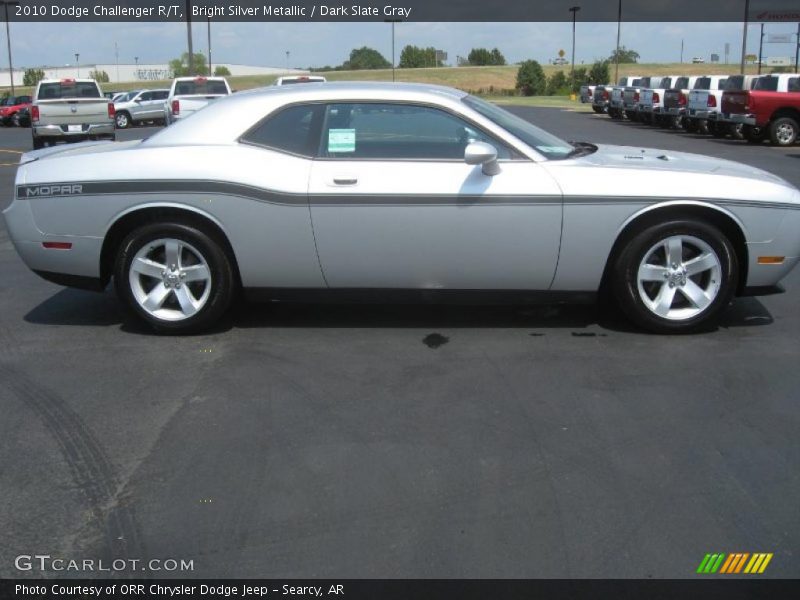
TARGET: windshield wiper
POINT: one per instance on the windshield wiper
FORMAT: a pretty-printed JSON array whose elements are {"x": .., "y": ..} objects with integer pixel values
[{"x": 581, "y": 149}]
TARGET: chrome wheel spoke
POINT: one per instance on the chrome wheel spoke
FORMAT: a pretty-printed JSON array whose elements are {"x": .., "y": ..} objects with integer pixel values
[
  {"x": 663, "y": 301},
  {"x": 695, "y": 294},
  {"x": 150, "y": 268},
  {"x": 195, "y": 273},
  {"x": 186, "y": 300},
  {"x": 702, "y": 263},
  {"x": 155, "y": 299},
  {"x": 673, "y": 248},
  {"x": 648, "y": 272},
  {"x": 172, "y": 251}
]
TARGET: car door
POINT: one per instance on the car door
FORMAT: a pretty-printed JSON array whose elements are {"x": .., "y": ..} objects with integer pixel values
[
  {"x": 155, "y": 108},
  {"x": 394, "y": 205}
]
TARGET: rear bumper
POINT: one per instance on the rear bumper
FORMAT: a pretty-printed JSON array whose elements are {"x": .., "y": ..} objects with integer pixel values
[
  {"x": 675, "y": 111},
  {"x": 60, "y": 131},
  {"x": 744, "y": 119},
  {"x": 700, "y": 113}
]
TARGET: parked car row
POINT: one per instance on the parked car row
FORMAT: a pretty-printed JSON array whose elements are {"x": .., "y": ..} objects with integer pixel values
[{"x": 754, "y": 108}]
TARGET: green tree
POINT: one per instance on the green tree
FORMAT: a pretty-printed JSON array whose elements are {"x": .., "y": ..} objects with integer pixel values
[
  {"x": 479, "y": 57},
  {"x": 99, "y": 76},
  {"x": 558, "y": 84},
  {"x": 32, "y": 77},
  {"x": 222, "y": 71},
  {"x": 581, "y": 77},
  {"x": 625, "y": 55},
  {"x": 414, "y": 57},
  {"x": 598, "y": 74},
  {"x": 530, "y": 79},
  {"x": 180, "y": 66},
  {"x": 365, "y": 58},
  {"x": 497, "y": 58}
]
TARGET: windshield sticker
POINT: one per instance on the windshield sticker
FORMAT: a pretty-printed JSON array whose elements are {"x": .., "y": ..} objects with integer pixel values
[{"x": 342, "y": 140}]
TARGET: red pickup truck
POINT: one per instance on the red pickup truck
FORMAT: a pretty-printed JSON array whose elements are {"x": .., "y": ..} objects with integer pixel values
[
  {"x": 10, "y": 106},
  {"x": 771, "y": 109}
]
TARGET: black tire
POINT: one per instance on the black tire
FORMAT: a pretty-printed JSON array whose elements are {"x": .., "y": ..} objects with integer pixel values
[
  {"x": 753, "y": 134},
  {"x": 736, "y": 132},
  {"x": 625, "y": 270},
  {"x": 702, "y": 127},
  {"x": 631, "y": 115},
  {"x": 690, "y": 125},
  {"x": 37, "y": 143},
  {"x": 598, "y": 109},
  {"x": 123, "y": 120},
  {"x": 783, "y": 131},
  {"x": 719, "y": 130},
  {"x": 222, "y": 283}
]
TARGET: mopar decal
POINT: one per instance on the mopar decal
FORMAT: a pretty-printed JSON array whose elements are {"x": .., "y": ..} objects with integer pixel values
[{"x": 39, "y": 191}]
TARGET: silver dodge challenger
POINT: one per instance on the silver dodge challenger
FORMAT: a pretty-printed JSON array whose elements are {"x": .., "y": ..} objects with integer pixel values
[{"x": 329, "y": 191}]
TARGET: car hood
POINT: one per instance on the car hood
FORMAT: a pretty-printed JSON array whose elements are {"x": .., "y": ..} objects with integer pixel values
[
  {"x": 636, "y": 157},
  {"x": 95, "y": 147}
]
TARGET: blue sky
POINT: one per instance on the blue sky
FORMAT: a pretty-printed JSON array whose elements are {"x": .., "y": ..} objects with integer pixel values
[{"x": 319, "y": 44}]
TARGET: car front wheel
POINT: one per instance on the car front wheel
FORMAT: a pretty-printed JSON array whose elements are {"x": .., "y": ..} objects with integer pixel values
[
  {"x": 675, "y": 277},
  {"x": 176, "y": 277},
  {"x": 123, "y": 120}
]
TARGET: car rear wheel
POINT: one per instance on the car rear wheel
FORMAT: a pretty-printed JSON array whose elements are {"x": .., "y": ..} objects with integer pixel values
[
  {"x": 123, "y": 120},
  {"x": 783, "y": 131},
  {"x": 598, "y": 109},
  {"x": 675, "y": 277},
  {"x": 175, "y": 277},
  {"x": 37, "y": 143},
  {"x": 753, "y": 134}
]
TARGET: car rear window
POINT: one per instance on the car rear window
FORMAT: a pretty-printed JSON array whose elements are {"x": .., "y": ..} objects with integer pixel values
[
  {"x": 767, "y": 84},
  {"x": 734, "y": 83},
  {"x": 794, "y": 84},
  {"x": 703, "y": 83},
  {"x": 302, "y": 80},
  {"x": 68, "y": 89},
  {"x": 201, "y": 87},
  {"x": 681, "y": 83}
]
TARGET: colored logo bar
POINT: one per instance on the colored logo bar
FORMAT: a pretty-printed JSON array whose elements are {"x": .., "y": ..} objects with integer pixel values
[{"x": 737, "y": 562}]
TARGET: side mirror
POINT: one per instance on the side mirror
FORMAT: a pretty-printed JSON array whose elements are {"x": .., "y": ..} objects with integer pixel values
[{"x": 481, "y": 153}]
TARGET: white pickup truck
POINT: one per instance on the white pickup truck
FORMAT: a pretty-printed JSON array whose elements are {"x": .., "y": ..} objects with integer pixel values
[
  {"x": 631, "y": 96},
  {"x": 70, "y": 110},
  {"x": 651, "y": 100},
  {"x": 705, "y": 98},
  {"x": 187, "y": 95},
  {"x": 616, "y": 103}
]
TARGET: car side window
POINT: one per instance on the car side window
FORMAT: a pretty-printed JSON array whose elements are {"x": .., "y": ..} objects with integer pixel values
[
  {"x": 294, "y": 129},
  {"x": 794, "y": 84},
  {"x": 160, "y": 95},
  {"x": 383, "y": 131},
  {"x": 146, "y": 96}
]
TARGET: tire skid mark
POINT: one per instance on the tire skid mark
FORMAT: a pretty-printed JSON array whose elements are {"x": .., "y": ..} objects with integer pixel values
[{"x": 92, "y": 470}]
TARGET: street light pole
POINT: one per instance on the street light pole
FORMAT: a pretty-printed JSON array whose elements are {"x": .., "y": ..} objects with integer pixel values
[
  {"x": 619, "y": 31},
  {"x": 797, "y": 51},
  {"x": 116, "y": 58},
  {"x": 8, "y": 40},
  {"x": 760, "y": 48},
  {"x": 574, "y": 10},
  {"x": 744, "y": 35},
  {"x": 287, "y": 60},
  {"x": 392, "y": 21},
  {"x": 210, "y": 72},
  {"x": 78, "y": 64},
  {"x": 136, "y": 60},
  {"x": 189, "y": 35}
]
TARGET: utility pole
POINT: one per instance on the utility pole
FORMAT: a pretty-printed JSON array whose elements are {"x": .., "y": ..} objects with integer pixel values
[
  {"x": 116, "y": 58},
  {"x": 574, "y": 10},
  {"x": 189, "y": 35},
  {"x": 8, "y": 40},
  {"x": 760, "y": 48},
  {"x": 744, "y": 35},
  {"x": 78, "y": 64},
  {"x": 287, "y": 60},
  {"x": 797, "y": 51},
  {"x": 681, "y": 50},
  {"x": 210, "y": 72},
  {"x": 619, "y": 31}
]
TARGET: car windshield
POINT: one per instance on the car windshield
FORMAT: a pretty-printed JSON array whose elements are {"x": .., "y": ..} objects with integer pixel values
[
  {"x": 68, "y": 89},
  {"x": 545, "y": 143}
]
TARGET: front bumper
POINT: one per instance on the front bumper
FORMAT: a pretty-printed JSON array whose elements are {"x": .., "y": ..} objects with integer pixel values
[{"x": 63, "y": 132}]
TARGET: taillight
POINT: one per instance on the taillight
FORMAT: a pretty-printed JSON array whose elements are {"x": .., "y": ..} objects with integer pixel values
[
  {"x": 590, "y": 93},
  {"x": 34, "y": 113},
  {"x": 682, "y": 100},
  {"x": 656, "y": 97},
  {"x": 605, "y": 94},
  {"x": 176, "y": 107},
  {"x": 111, "y": 110},
  {"x": 712, "y": 102},
  {"x": 636, "y": 96},
  {"x": 57, "y": 245}
]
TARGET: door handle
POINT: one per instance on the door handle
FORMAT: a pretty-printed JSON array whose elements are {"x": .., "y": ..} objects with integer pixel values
[{"x": 345, "y": 180}]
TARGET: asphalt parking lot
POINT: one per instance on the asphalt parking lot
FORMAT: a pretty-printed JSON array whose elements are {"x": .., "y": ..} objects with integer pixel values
[{"x": 391, "y": 441}]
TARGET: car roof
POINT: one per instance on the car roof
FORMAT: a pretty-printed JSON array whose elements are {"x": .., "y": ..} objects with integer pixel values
[{"x": 243, "y": 109}]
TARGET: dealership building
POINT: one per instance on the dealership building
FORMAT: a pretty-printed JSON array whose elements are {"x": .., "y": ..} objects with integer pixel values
[{"x": 136, "y": 72}]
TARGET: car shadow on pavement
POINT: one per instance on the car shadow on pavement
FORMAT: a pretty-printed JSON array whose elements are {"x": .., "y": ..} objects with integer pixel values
[{"x": 88, "y": 309}]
